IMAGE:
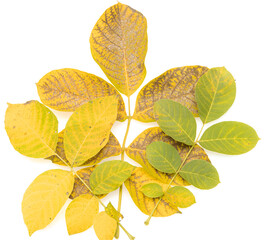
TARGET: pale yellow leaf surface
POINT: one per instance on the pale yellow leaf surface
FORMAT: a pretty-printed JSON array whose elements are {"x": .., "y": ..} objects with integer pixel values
[
  {"x": 32, "y": 129},
  {"x": 80, "y": 213},
  {"x": 119, "y": 45},
  {"x": 104, "y": 226},
  {"x": 45, "y": 197},
  {"x": 67, "y": 89},
  {"x": 88, "y": 129},
  {"x": 140, "y": 178}
]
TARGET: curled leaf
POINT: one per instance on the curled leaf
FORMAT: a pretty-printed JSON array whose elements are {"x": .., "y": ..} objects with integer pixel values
[
  {"x": 119, "y": 45},
  {"x": 112, "y": 212},
  {"x": 80, "y": 213},
  {"x": 152, "y": 190},
  {"x": 88, "y": 129},
  {"x": 109, "y": 176},
  {"x": 215, "y": 93},
  {"x": 45, "y": 197},
  {"x": 32, "y": 129},
  {"x": 139, "y": 178},
  {"x": 67, "y": 89},
  {"x": 112, "y": 148},
  {"x": 229, "y": 137},
  {"x": 177, "y": 84},
  {"x": 176, "y": 121},
  {"x": 137, "y": 151},
  {"x": 104, "y": 226}
]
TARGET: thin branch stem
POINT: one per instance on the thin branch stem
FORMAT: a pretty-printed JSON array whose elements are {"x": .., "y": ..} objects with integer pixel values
[{"x": 175, "y": 175}]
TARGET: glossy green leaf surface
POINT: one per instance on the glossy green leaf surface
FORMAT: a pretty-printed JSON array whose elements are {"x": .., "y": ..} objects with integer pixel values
[
  {"x": 176, "y": 121},
  {"x": 229, "y": 137},
  {"x": 200, "y": 174},
  {"x": 109, "y": 176},
  {"x": 215, "y": 92},
  {"x": 163, "y": 156}
]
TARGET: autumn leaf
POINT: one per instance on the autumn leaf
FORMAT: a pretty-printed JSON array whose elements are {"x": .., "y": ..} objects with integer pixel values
[
  {"x": 88, "y": 129},
  {"x": 45, "y": 197},
  {"x": 119, "y": 45},
  {"x": 112, "y": 212},
  {"x": 137, "y": 151},
  {"x": 32, "y": 129},
  {"x": 152, "y": 190},
  {"x": 104, "y": 226},
  {"x": 67, "y": 89},
  {"x": 80, "y": 213},
  {"x": 112, "y": 148},
  {"x": 139, "y": 178},
  {"x": 177, "y": 84}
]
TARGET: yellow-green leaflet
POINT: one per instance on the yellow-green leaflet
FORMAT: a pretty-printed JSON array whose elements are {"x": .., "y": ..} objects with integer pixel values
[
  {"x": 215, "y": 92},
  {"x": 229, "y": 138},
  {"x": 200, "y": 174},
  {"x": 176, "y": 121},
  {"x": 119, "y": 45},
  {"x": 88, "y": 129},
  {"x": 32, "y": 129},
  {"x": 109, "y": 176},
  {"x": 112, "y": 212},
  {"x": 177, "y": 84},
  {"x": 163, "y": 156},
  {"x": 67, "y": 89},
  {"x": 104, "y": 226},
  {"x": 45, "y": 197},
  {"x": 80, "y": 213},
  {"x": 180, "y": 197},
  {"x": 152, "y": 190}
]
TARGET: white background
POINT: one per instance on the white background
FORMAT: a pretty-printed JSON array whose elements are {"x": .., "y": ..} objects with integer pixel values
[{"x": 40, "y": 36}]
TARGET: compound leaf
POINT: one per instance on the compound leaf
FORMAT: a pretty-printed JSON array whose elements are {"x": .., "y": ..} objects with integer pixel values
[
  {"x": 88, "y": 129},
  {"x": 177, "y": 84},
  {"x": 176, "y": 121},
  {"x": 109, "y": 176},
  {"x": 137, "y": 151},
  {"x": 80, "y": 213},
  {"x": 104, "y": 226},
  {"x": 67, "y": 89},
  {"x": 180, "y": 197},
  {"x": 45, "y": 197},
  {"x": 215, "y": 92},
  {"x": 229, "y": 137},
  {"x": 163, "y": 156},
  {"x": 32, "y": 129},
  {"x": 119, "y": 45},
  {"x": 112, "y": 148},
  {"x": 133, "y": 184},
  {"x": 152, "y": 190},
  {"x": 200, "y": 174}
]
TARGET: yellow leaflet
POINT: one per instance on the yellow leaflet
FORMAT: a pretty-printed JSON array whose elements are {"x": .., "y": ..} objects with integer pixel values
[
  {"x": 88, "y": 129},
  {"x": 139, "y": 178},
  {"x": 177, "y": 84},
  {"x": 32, "y": 129},
  {"x": 112, "y": 148},
  {"x": 137, "y": 151},
  {"x": 67, "y": 89},
  {"x": 104, "y": 226},
  {"x": 119, "y": 45},
  {"x": 80, "y": 213},
  {"x": 45, "y": 197}
]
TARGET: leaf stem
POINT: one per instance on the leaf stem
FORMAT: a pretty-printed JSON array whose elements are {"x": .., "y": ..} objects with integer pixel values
[
  {"x": 177, "y": 172},
  {"x": 122, "y": 159}
]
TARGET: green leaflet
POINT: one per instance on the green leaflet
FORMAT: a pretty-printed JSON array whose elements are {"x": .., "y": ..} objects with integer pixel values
[
  {"x": 109, "y": 176},
  {"x": 152, "y": 190},
  {"x": 229, "y": 138},
  {"x": 176, "y": 121},
  {"x": 163, "y": 157},
  {"x": 215, "y": 92},
  {"x": 88, "y": 129},
  {"x": 180, "y": 197},
  {"x": 200, "y": 174},
  {"x": 112, "y": 212}
]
